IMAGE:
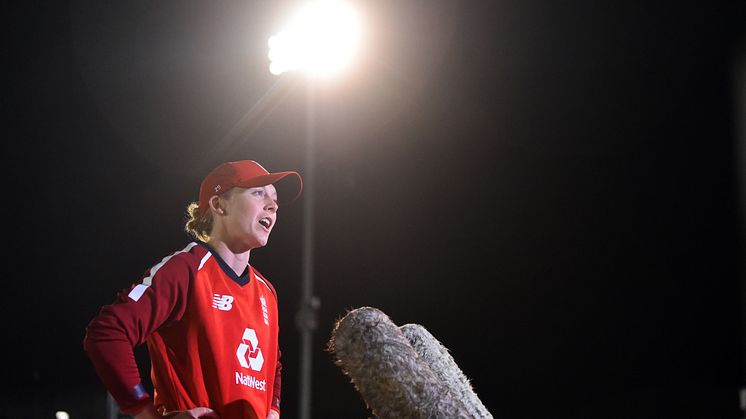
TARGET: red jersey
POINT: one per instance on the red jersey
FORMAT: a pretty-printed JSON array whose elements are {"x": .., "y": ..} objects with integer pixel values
[{"x": 212, "y": 336}]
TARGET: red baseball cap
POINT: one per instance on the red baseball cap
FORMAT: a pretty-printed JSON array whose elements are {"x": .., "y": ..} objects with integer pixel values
[{"x": 244, "y": 174}]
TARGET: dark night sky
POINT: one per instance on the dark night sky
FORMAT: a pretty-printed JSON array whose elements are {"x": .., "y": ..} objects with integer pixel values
[{"x": 550, "y": 189}]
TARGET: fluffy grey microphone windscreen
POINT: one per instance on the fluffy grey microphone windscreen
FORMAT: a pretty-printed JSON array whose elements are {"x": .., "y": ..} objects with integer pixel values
[
  {"x": 444, "y": 366},
  {"x": 387, "y": 372}
]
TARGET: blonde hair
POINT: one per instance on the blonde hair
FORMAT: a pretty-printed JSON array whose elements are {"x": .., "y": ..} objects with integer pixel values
[{"x": 198, "y": 226}]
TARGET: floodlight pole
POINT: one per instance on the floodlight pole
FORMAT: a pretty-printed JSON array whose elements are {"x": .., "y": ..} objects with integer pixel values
[{"x": 306, "y": 320}]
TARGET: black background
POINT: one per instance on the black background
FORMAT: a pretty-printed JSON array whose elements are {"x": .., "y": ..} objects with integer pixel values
[{"x": 551, "y": 189}]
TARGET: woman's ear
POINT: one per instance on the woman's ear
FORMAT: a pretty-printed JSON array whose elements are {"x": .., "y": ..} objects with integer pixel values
[{"x": 216, "y": 204}]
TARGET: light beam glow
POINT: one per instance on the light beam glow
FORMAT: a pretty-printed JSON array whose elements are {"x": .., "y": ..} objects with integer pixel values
[{"x": 321, "y": 39}]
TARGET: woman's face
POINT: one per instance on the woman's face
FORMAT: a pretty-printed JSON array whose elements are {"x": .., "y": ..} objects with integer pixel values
[{"x": 250, "y": 215}]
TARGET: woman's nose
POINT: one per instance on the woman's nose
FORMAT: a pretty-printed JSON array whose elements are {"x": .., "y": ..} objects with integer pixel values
[{"x": 270, "y": 205}]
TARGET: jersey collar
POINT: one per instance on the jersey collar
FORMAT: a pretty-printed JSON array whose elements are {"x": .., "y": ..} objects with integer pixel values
[{"x": 242, "y": 279}]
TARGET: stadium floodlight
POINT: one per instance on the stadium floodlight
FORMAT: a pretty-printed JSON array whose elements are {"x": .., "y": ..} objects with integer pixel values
[{"x": 320, "y": 39}]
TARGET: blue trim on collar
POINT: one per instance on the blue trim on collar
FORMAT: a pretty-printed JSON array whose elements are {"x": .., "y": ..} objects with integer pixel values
[{"x": 241, "y": 280}]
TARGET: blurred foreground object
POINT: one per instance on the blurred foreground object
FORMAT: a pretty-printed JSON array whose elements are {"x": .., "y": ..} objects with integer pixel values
[{"x": 401, "y": 372}]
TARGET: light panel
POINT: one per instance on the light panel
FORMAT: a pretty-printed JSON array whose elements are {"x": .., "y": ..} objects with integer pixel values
[{"x": 321, "y": 39}]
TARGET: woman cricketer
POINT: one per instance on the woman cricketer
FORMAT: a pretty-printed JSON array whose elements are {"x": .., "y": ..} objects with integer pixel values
[{"x": 208, "y": 317}]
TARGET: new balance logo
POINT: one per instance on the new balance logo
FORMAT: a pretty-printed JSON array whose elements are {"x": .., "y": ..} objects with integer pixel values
[{"x": 222, "y": 302}]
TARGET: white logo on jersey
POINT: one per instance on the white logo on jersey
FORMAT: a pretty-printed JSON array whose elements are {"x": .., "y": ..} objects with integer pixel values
[
  {"x": 264, "y": 310},
  {"x": 222, "y": 302},
  {"x": 249, "y": 350},
  {"x": 251, "y": 382}
]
